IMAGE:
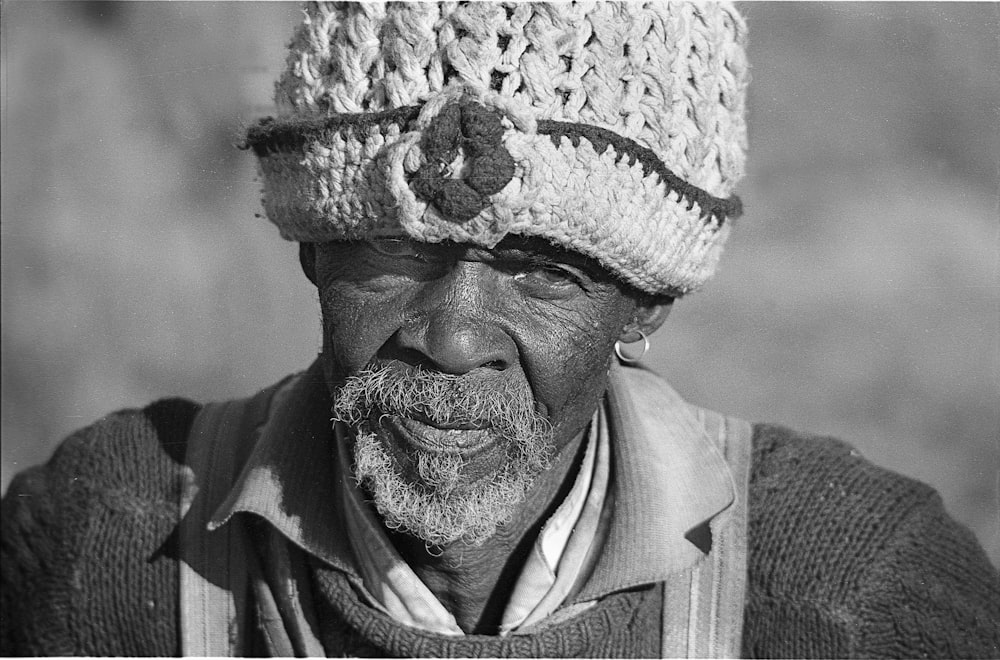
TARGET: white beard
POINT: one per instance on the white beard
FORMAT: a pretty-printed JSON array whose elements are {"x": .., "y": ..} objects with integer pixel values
[
  {"x": 434, "y": 498},
  {"x": 444, "y": 512}
]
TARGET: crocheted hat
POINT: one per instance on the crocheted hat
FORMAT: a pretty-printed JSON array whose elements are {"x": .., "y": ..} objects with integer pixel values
[{"x": 614, "y": 129}]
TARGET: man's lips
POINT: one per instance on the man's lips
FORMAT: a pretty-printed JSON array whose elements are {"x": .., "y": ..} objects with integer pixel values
[{"x": 461, "y": 439}]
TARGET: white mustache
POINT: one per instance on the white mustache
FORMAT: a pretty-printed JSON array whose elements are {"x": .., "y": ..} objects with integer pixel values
[
  {"x": 441, "y": 399},
  {"x": 435, "y": 500}
]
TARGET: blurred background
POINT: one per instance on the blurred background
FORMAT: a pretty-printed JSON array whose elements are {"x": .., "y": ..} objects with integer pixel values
[{"x": 859, "y": 297}]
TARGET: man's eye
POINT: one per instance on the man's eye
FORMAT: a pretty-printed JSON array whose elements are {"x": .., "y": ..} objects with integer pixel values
[
  {"x": 399, "y": 248},
  {"x": 550, "y": 275}
]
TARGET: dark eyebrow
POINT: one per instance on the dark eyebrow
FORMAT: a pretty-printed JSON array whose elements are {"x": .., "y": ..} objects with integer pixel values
[
  {"x": 527, "y": 244},
  {"x": 534, "y": 248},
  {"x": 522, "y": 250},
  {"x": 539, "y": 250}
]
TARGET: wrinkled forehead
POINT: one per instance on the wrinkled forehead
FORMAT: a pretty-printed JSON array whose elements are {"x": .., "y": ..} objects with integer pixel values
[{"x": 514, "y": 248}]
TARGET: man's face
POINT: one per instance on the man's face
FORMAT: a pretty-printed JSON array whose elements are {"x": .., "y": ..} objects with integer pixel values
[{"x": 462, "y": 370}]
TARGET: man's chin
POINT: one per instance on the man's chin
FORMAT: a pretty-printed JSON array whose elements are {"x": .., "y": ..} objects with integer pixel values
[
  {"x": 446, "y": 462},
  {"x": 434, "y": 496}
]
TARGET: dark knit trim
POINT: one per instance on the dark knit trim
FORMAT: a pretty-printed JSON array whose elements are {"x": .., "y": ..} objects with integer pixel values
[
  {"x": 272, "y": 135},
  {"x": 280, "y": 135},
  {"x": 601, "y": 138}
]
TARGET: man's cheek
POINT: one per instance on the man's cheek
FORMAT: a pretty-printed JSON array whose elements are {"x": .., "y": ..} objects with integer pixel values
[
  {"x": 568, "y": 374},
  {"x": 355, "y": 328},
  {"x": 579, "y": 329}
]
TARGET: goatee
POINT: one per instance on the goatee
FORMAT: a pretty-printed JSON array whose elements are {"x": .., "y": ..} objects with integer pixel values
[{"x": 435, "y": 495}]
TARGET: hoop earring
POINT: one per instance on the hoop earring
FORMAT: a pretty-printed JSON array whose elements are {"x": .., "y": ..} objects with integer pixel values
[{"x": 629, "y": 360}]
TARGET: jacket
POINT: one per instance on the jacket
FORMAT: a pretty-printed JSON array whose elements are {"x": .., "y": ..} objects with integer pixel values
[{"x": 845, "y": 559}]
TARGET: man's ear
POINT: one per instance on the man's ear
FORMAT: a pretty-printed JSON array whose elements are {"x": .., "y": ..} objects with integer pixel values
[
  {"x": 307, "y": 259},
  {"x": 649, "y": 316}
]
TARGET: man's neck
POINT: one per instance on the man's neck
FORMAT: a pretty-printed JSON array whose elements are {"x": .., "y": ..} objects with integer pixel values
[{"x": 475, "y": 583}]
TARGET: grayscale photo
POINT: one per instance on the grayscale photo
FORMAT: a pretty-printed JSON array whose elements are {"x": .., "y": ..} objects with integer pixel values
[{"x": 500, "y": 329}]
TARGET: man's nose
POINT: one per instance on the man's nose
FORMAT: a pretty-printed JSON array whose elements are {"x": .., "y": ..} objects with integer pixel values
[{"x": 454, "y": 325}]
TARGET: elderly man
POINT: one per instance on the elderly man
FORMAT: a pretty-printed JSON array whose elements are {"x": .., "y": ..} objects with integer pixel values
[{"x": 492, "y": 201}]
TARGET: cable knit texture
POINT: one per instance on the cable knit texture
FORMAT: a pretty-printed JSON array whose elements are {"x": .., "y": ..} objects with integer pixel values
[
  {"x": 87, "y": 547},
  {"x": 849, "y": 560},
  {"x": 620, "y": 130},
  {"x": 846, "y": 560}
]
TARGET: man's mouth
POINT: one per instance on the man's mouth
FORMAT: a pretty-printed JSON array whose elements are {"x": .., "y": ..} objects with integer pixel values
[{"x": 464, "y": 439}]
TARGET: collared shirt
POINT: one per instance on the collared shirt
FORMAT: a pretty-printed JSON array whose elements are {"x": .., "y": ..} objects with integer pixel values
[
  {"x": 667, "y": 479},
  {"x": 555, "y": 564}
]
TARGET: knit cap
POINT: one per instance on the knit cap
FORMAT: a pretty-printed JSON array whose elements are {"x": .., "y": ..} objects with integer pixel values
[{"x": 612, "y": 129}]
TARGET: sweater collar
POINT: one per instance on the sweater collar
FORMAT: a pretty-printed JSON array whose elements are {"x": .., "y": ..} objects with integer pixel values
[{"x": 670, "y": 480}]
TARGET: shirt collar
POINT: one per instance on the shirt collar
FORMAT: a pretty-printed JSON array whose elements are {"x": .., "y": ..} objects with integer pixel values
[
  {"x": 669, "y": 479},
  {"x": 290, "y": 478},
  {"x": 552, "y": 568}
]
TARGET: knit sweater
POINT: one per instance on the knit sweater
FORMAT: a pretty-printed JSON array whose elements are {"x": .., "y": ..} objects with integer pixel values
[{"x": 845, "y": 560}]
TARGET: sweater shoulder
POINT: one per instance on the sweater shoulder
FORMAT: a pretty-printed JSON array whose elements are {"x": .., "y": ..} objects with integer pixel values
[
  {"x": 814, "y": 494},
  {"x": 132, "y": 451},
  {"x": 818, "y": 509},
  {"x": 858, "y": 558},
  {"x": 88, "y": 536}
]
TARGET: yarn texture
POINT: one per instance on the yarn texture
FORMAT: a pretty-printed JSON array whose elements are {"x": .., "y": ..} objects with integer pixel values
[
  {"x": 845, "y": 560},
  {"x": 614, "y": 129}
]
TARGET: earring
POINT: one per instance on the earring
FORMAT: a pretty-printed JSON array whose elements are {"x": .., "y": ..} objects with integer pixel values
[{"x": 626, "y": 359}]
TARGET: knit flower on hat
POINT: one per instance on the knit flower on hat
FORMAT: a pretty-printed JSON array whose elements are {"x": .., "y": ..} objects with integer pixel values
[
  {"x": 465, "y": 161},
  {"x": 614, "y": 129}
]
